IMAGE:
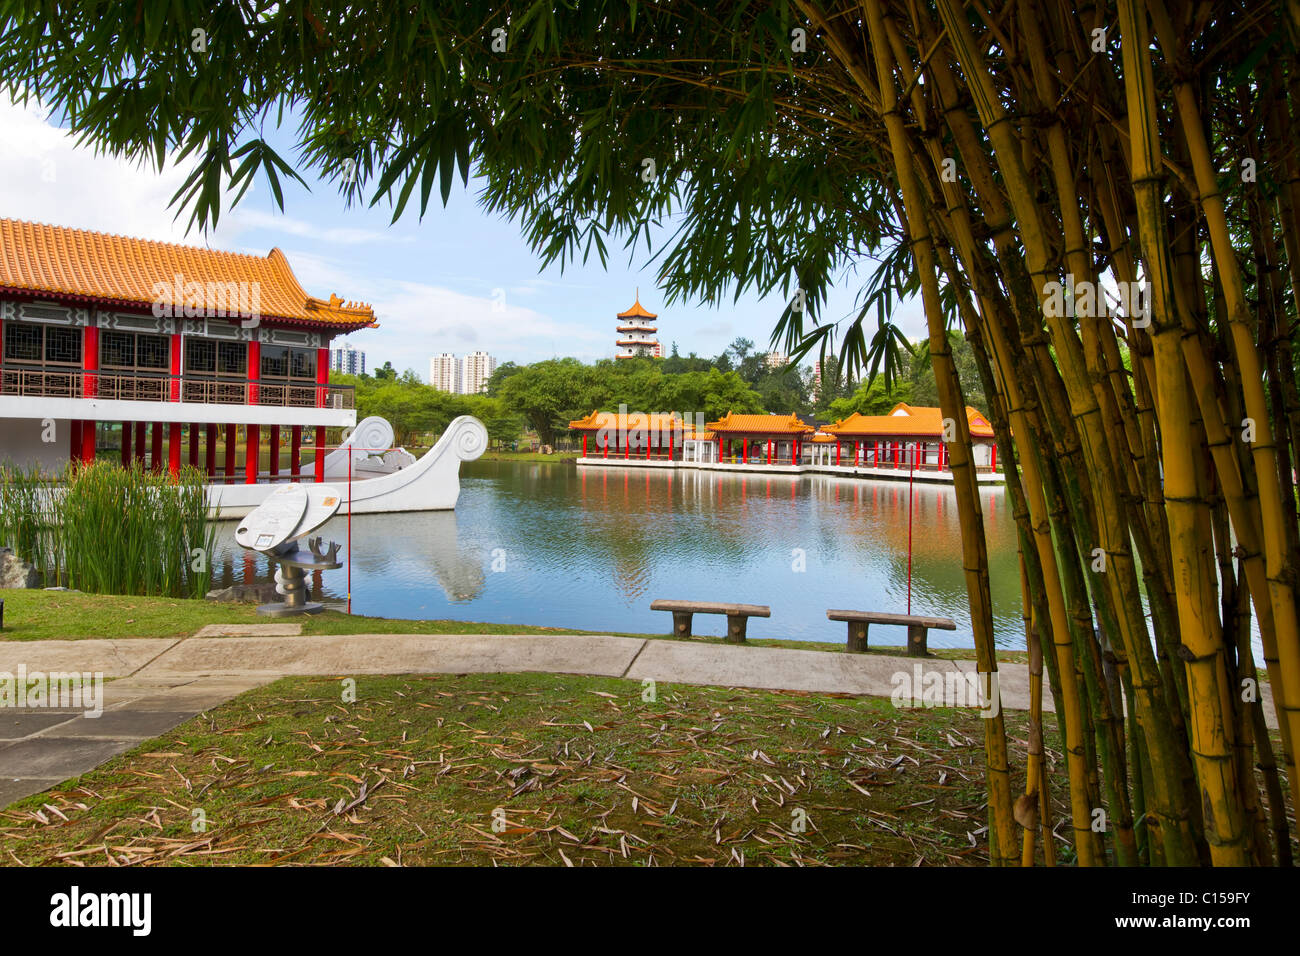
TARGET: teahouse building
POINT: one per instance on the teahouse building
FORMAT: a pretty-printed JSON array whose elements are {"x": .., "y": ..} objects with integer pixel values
[
  {"x": 160, "y": 345},
  {"x": 908, "y": 436}
]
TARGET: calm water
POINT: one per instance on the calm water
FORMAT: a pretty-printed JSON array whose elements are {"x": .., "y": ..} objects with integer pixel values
[{"x": 590, "y": 548}]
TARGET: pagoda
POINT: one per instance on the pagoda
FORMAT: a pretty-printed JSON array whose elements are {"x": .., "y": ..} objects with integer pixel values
[{"x": 636, "y": 333}]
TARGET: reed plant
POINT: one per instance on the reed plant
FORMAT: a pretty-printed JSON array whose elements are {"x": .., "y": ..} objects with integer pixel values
[{"x": 105, "y": 529}]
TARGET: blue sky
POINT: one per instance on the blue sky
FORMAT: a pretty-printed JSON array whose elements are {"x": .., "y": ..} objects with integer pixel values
[{"x": 432, "y": 282}]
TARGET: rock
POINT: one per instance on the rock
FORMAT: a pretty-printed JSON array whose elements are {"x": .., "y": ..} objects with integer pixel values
[
  {"x": 15, "y": 572},
  {"x": 245, "y": 594}
]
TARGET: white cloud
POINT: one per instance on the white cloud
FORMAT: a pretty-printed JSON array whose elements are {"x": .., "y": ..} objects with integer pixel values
[{"x": 45, "y": 177}]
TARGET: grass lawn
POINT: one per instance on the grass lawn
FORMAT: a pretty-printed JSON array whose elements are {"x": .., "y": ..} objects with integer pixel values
[
  {"x": 35, "y": 615},
  {"x": 530, "y": 769},
  {"x": 529, "y": 456}
]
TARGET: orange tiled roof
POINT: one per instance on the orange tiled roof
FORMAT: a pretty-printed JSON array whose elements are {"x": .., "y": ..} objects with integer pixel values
[
  {"x": 633, "y": 421},
  {"x": 637, "y": 312},
  {"x": 770, "y": 424},
  {"x": 61, "y": 262},
  {"x": 909, "y": 420}
]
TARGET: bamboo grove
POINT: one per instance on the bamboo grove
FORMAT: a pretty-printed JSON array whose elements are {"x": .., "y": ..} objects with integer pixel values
[{"x": 1105, "y": 196}]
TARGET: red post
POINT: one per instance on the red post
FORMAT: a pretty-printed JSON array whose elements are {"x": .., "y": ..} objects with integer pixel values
[
  {"x": 252, "y": 450},
  {"x": 604, "y": 447},
  {"x": 194, "y": 445},
  {"x": 275, "y": 452},
  {"x": 993, "y": 458},
  {"x": 174, "y": 449},
  {"x": 838, "y": 446},
  {"x": 176, "y": 367},
  {"x": 254, "y": 371},
  {"x": 231, "y": 437},
  {"x": 647, "y": 448},
  {"x": 322, "y": 377},
  {"x": 295, "y": 452},
  {"x": 744, "y": 451},
  {"x": 87, "y": 442},
  {"x": 320, "y": 452},
  {"x": 74, "y": 440},
  {"x": 156, "y": 446},
  {"x": 210, "y": 453},
  {"x": 139, "y": 442},
  {"x": 671, "y": 436},
  {"x": 90, "y": 360},
  {"x": 126, "y": 444},
  {"x": 769, "y": 451},
  {"x": 584, "y": 444}
]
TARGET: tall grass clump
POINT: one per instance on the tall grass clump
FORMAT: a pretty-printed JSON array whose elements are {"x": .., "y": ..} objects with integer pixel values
[{"x": 105, "y": 529}]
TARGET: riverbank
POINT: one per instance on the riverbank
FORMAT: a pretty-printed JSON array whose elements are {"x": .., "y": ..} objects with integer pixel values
[
  {"x": 37, "y": 615},
  {"x": 530, "y": 769}
]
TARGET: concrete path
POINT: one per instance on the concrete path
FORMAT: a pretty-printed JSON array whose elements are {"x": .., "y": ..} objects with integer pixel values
[{"x": 164, "y": 682}]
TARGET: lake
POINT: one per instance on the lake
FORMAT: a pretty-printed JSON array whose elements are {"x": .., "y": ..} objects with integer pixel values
[{"x": 589, "y": 548}]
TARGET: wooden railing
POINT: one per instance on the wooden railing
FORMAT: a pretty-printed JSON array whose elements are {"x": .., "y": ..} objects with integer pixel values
[{"x": 38, "y": 381}]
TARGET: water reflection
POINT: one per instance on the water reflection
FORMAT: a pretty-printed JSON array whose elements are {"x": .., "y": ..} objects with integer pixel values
[{"x": 556, "y": 545}]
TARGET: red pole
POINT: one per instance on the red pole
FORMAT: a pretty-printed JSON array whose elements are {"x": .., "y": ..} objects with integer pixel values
[
  {"x": 252, "y": 451},
  {"x": 584, "y": 444},
  {"x": 126, "y": 444},
  {"x": 175, "y": 390},
  {"x": 156, "y": 447},
  {"x": 210, "y": 453},
  {"x": 88, "y": 442},
  {"x": 295, "y": 452},
  {"x": 910, "y": 483},
  {"x": 838, "y": 446},
  {"x": 322, "y": 469},
  {"x": 231, "y": 437},
  {"x": 194, "y": 445},
  {"x": 320, "y": 455},
  {"x": 993, "y": 461},
  {"x": 275, "y": 452},
  {"x": 174, "y": 448},
  {"x": 744, "y": 451},
  {"x": 90, "y": 360},
  {"x": 254, "y": 371}
]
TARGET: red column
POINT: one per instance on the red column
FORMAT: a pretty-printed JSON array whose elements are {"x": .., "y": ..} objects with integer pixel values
[
  {"x": 194, "y": 445},
  {"x": 210, "y": 453},
  {"x": 719, "y": 448},
  {"x": 769, "y": 451},
  {"x": 647, "y": 449},
  {"x": 231, "y": 435},
  {"x": 156, "y": 446},
  {"x": 627, "y": 444},
  {"x": 320, "y": 452},
  {"x": 584, "y": 444},
  {"x": 126, "y": 444},
  {"x": 295, "y": 452},
  {"x": 838, "y": 446},
  {"x": 90, "y": 360},
  {"x": 176, "y": 367},
  {"x": 174, "y": 448},
  {"x": 252, "y": 449},
  {"x": 275, "y": 452},
  {"x": 744, "y": 450},
  {"x": 670, "y": 444},
  {"x": 254, "y": 371},
  {"x": 87, "y": 442},
  {"x": 139, "y": 442},
  {"x": 993, "y": 458},
  {"x": 605, "y": 446},
  {"x": 74, "y": 440},
  {"x": 322, "y": 376}
]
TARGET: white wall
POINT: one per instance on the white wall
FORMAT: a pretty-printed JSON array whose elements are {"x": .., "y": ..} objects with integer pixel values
[{"x": 21, "y": 443}]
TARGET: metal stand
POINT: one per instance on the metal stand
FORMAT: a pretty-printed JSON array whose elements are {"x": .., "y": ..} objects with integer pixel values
[{"x": 290, "y": 578}]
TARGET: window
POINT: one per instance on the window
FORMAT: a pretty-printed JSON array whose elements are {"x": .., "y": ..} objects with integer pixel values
[
  {"x": 200, "y": 357},
  {"x": 133, "y": 351},
  {"x": 283, "y": 363},
  {"x": 40, "y": 344}
]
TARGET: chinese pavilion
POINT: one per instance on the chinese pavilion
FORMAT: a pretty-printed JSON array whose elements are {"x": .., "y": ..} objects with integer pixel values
[
  {"x": 163, "y": 346},
  {"x": 761, "y": 439},
  {"x": 907, "y": 435}
]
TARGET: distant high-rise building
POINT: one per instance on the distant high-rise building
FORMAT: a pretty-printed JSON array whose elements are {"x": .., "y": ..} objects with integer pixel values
[
  {"x": 636, "y": 333},
  {"x": 347, "y": 360},
  {"x": 777, "y": 360},
  {"x": 444, "y": 373},
  {"x": 475, "y": 370}
]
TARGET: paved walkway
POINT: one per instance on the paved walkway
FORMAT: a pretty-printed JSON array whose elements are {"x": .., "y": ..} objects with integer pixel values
[{"x": 160, "y": 683}]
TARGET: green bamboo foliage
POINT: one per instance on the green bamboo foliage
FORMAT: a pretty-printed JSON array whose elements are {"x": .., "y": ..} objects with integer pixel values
[{"x": 105, "y": 529}]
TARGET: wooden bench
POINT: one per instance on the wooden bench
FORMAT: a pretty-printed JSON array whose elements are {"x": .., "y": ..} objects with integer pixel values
[
  {"x": 917, "y": 627},
  {"x": 737, "y": 616}
]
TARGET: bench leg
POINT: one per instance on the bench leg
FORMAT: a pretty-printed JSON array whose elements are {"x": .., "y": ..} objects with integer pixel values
[
  {"x": 736, "y": 628},
  {"x": 916, "y": 638},
  {"x": 682, "y": 623},
  {"x": 857, "y": 637}
]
